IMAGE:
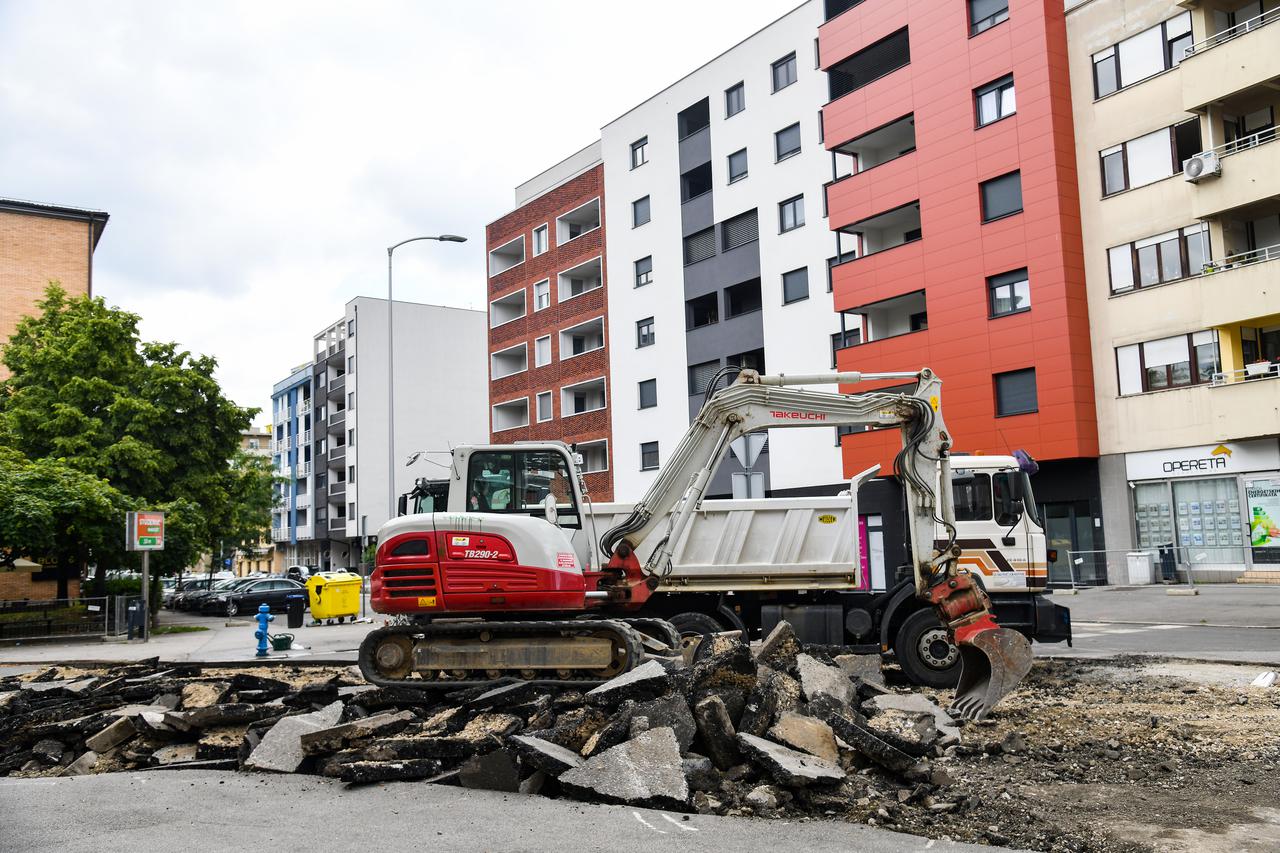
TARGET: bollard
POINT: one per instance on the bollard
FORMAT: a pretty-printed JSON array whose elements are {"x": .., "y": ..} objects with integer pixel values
[{"x": 264, "y": 618}]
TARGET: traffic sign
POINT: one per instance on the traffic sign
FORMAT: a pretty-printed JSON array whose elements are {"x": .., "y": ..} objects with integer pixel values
[{"x": 144, "y": 531}]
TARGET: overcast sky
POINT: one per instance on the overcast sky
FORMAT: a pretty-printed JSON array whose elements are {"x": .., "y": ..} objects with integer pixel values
[{"x": 257, "y": 158}]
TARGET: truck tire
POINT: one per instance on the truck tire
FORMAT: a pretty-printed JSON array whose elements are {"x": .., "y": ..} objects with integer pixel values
[
  {"x": 925, "y": 654},
  {"x": 693, "y": 627}
]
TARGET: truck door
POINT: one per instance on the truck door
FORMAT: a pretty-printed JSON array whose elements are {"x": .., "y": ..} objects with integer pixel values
[{"x": 984, "y": 515}]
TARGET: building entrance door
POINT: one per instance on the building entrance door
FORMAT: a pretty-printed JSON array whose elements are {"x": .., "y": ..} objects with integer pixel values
[{"x": 1068, "y": 529}]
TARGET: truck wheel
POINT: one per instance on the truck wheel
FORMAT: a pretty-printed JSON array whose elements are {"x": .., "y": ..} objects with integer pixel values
[
  {"x": 925, "y": 654},
  {"x": 692, "y": 627}
]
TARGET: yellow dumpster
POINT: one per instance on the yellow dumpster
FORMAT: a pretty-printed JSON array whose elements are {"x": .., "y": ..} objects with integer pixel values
[{"x": 334, "y": 595}]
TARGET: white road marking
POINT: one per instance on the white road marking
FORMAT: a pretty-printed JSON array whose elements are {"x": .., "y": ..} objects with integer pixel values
[
  {"x": 1165, "y": 627},
  {"x": 669, "y": 819},
  {"x": 651, "y": 826}
]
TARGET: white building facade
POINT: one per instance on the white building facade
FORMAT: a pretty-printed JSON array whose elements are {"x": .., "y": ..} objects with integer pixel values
[{"x": 714, "y": 188}]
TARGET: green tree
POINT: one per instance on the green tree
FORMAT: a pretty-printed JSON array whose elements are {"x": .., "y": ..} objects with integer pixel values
[
  {"x": 56, "y": 514},
  {"x": 148, "y": 418}
]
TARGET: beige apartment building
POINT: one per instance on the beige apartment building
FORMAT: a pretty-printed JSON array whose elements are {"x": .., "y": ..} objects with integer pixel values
[{"x": 1175, "y": 108}]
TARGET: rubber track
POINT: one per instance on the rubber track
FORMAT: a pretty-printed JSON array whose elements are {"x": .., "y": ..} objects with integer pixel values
[{"x": 628, "y": 635}]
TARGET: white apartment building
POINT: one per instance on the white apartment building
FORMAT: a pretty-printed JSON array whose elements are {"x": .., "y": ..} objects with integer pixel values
[
  {"x": 717, "y": 252},
  {"x": 331, "y": 421}
]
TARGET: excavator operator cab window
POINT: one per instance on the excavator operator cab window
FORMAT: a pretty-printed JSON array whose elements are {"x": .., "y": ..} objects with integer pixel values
[{"x": 518, "y": 481}]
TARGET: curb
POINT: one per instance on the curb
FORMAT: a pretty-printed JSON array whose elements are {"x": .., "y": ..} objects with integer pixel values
[{"x": 1179, "y": 624}]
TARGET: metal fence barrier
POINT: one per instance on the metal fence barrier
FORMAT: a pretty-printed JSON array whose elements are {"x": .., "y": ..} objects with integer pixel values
[{"x": 54, "y": 618}]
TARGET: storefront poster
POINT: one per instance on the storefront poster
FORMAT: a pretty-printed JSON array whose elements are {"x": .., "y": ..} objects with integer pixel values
[{"x": 1263, "y": 497}]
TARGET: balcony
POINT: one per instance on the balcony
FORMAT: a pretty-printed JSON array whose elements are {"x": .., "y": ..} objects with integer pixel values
[
  {"x": 888, "y": 318},
  {"x": 506, "y": 256},
  {"x": 331, "y": 350},
  {"x": 1232, "y": 60},
  {"x": 304, "y": 438},
  {"x": 581, "y": 279},
  {"x": 1250, "y": 173},
  {"x": 512, "y": 414},
  {"x": 302, "y": 501},
  {"x": 509, "y": 361},
  {"x": 337, "y": 456},
  {"x": 302, "y": 469},
  {"x": 582, "y": 338},
  {"x": 337, "y": 490},
  {"x": 304, "y": 531},
  {"x": 280, "y": 534},
  {"x": 885, "y": 231},
  {"x": 337, "y": 420},
  {"x": 338, "y": 525},
  {"x": 506, "y": 309},
  {"x": 581, "y": 220},
  {"x": 869, "y": 64},
  {"x": 583, "y": 397},
  {"x": 1257, "y": 371},
  {"x": 337, "y": 386}
]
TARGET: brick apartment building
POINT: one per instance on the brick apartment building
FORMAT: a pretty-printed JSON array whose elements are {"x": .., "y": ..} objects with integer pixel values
[
  {"x": 960, "y": 200},
  {"x": 548, "y": 347},
  {"x": 40, "y": 243}
]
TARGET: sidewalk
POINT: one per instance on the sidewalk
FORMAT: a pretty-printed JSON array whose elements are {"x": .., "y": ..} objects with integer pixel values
[
  {"x": 226, "y": 640},
  {"x": 1222, "y": 605}
]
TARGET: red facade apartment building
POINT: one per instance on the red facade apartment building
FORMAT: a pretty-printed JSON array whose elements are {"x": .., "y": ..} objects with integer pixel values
[
  {"x": 955, "y": 187},
  {"x": 548, "y": 353}
]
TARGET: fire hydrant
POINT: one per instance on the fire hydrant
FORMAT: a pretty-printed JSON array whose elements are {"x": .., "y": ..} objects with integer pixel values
[{"x": 264, "y": 618}]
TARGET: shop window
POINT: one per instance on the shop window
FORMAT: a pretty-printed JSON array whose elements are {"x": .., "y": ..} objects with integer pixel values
[{"x": 1210, "y": 527}]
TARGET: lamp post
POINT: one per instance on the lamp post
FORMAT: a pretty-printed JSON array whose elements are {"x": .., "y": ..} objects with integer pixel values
[{"x": 391, "y": 375}]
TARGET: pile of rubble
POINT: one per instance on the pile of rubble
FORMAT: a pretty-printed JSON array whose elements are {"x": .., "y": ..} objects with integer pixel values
[{"x": 783, "y": 730}]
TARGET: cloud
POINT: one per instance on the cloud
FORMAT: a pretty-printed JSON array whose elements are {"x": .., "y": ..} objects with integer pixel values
[{"x": 257, "y": 158}]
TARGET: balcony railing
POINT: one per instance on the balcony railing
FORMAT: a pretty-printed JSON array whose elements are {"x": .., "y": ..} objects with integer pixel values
[
  {"x": 302, "y": 469},
  {"x": 337, "y": 524},
  {"x": 1250, "y": 373},
  {"x": 303, "y": 500},
  {"x": 304, "y": 438},
  {"x": 1233, "y": 32},
  {"x": 1242, "y": 259},
  {"x": 279, "y": 534},
  {"x": 1244, "y": 143},
  {"x": 303, "y": 531}
]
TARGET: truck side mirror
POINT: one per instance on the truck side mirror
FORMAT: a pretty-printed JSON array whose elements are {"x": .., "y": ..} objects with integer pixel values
[
  {"x": 402, "y": 505},
  {"x": 549, "y": 508}
]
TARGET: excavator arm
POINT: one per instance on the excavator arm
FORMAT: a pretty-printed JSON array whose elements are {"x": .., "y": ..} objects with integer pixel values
[{"x": 994, "y": 659}]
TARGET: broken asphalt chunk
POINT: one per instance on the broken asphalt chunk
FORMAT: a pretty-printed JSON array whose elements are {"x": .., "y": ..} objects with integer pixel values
[
  {"x": 644, "y": 770},
  {"x": 788, "y": 766}
]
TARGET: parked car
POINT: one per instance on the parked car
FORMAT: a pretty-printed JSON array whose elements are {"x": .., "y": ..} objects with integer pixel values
[
  {"x": 193, "y": 599},
  {"x": 181, "y": 598},
  {"x": 300, "y": 573},
  {"x": 246, "y": 598}
]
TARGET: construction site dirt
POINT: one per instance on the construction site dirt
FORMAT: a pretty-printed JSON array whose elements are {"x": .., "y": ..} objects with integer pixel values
[{"x": 1116, "y": 755}]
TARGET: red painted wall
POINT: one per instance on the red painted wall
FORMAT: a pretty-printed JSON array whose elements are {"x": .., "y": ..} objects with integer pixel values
[
  {"x": 957, "y": 253},
  {"x": 543, "y": 210}
]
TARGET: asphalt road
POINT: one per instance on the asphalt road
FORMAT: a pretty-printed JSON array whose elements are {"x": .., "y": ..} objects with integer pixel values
[
  {"x": 1108, "y": 639},
  {"x": 201, "y": 810}
]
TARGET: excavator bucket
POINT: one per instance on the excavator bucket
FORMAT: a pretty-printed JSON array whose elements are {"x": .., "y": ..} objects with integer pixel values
[{"x": 992, "y": 662}]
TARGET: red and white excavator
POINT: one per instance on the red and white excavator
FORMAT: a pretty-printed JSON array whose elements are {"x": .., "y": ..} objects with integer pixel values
[{"x": 506, "y": 584}]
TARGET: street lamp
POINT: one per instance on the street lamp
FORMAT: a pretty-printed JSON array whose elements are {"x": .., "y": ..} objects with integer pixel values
[{"x": 391, "y": 366}]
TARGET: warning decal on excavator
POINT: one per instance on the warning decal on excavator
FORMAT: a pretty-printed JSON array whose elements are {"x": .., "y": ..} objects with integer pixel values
[
  {"x": 565, "y": 561},
  {"x": 460, "y": 541},
  {"x": 933, "y": 401},
  {"x": 426, "y": 601},
  {"x": 826, "y": 518}
]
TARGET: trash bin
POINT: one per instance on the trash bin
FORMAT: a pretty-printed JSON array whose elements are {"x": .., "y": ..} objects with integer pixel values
[
  {"x": 334, "y": 595},
  {"x": 1168, "y": 564},
  {"x": 295, "y": 604},
  {"x": 1140, "y": 567}
]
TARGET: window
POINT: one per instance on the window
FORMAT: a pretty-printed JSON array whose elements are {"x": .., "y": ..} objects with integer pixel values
[
  {"x": 702, "y": 311},
  {"x": 786, "y": 142},
  {"x": 985, "y": 14},
  {"x": 737, "y": 165},
  {"x": 840, "y": 340},
  {"x": 740, "y": 230},
  {"x": 784, "y": 72},
  {"x": 695, "y": 182},
  {"x": 639, "y": 212},
  {"x": 971, "y": 494},
  {"x": 791, "y": 214},
  {"x": 644, "y": 271},
  {"x": 1168, "y": 363},
  {"x": 640, "y": 152},
  {"x": 1010, "y": 293},
  {"x": 648, "y": 455},
  {"x": 542, "y": 351},
  {"x": 1016, "y": 392},
  {"x": 995, "y": 100},
  {"x": 542, "y": 295},
  {"x": 700, "y": 376},
  {"x": 1001, "y": 196},
  {"x": 539, "y": 240},
  {"x": 1149, "y": 158},
  {"x": 1159, "y": 259},
  {"x": 644, "y": 332},
  {"x": 795, "y": 285},
  {"x": 648, "y": 393},
  {"x": 518, "y": 481},
  {"x": 735, "y": 100},
  {"x": 544, "y": 406},
  {"x": 742, "y": 298},
  {"x": 700, "y": 246},
  {"x": 693, "y": 119},
  {"x": 1141, "y": 56},
  {"x": 918, "y": 322}
]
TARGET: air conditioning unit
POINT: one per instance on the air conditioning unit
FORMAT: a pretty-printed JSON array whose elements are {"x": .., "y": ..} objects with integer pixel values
[{"x": 1203, "y": 165}]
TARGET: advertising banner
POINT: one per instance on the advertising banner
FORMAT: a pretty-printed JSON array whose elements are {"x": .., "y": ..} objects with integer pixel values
[{"x": 1263, "y": 497}]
